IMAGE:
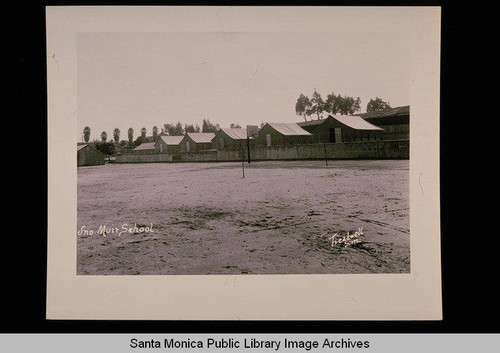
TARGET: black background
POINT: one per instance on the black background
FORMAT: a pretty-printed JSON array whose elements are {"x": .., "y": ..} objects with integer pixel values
[{"x": 469, "y": 228}]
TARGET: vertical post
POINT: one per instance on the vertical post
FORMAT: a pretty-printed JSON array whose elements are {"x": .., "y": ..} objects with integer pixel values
[
  {"x": 248, "y": 149},
  {"x": 326, "y": 156},
  {"x": 243, "y": 160}
]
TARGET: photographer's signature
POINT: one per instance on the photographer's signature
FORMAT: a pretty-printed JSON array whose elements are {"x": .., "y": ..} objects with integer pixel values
[{"x": 347, "y": 240}]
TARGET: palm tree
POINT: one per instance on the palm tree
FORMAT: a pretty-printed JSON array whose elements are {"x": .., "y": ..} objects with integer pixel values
[
  {"x": 155, "y": 133},
  {"x": 116, "y": 135},
  {"x": 130, "y": 136},
  {"x": 86, "y": 134}
]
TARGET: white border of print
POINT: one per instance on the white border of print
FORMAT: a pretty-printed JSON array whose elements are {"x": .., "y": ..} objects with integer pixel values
[{"x": 414, "y": 296}]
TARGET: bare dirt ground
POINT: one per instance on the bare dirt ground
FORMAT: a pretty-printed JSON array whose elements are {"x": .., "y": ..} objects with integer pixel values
[{"x": 207, "y": 219}]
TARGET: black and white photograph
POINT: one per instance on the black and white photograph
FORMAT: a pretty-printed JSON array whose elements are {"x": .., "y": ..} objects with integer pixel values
[
  {"x": 257, "y": 156},
  {"x": 243, "y": 153}
]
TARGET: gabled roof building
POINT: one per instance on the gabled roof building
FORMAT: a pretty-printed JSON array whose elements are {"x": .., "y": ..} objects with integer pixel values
[
  {"x": 231, "y": 138},
  {"x": 168, "y": 144},
  {"x": 273, "y": 134},
  {"x": 196, "y": 141},
  {"x": 88, "y": 155},
  {"x": 394, "y": 121},
  {"x": 146, "y": 147},
  {"x": 341, "y": 128}
]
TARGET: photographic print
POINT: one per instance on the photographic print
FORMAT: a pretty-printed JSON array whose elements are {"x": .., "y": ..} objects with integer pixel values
[
  {"x": 172, "y": 179},
  {"x": 248, "y": 154}
]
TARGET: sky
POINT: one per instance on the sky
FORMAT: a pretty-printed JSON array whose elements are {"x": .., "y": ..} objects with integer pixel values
[{"x": 148, "y": 79}]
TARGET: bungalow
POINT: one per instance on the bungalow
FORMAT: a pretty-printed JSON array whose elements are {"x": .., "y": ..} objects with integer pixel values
[
  {"x": 273, "y": 134},
  {"x": 230, "y": 138},
  {"x": 394, "y": 121},
  {"x": 341, "y": 128},
  {"x": 196, "y": 141},
  {"x": 88, "y": 155},
  {"x": 168, "y": 144}
]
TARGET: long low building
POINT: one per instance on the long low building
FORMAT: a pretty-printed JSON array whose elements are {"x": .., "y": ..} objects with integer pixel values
[
  {"x": 231, "y": 138},
  {"x": 341, "y": 128},
  {"x": 196, "y": 141},
  {"x": 168, "y": 144},
  {"x": 88, "y": 155},
  {"x": 273, "y": 134},
  {"x": 394, "y": 121},
  {"x": 146, "y": 147}
]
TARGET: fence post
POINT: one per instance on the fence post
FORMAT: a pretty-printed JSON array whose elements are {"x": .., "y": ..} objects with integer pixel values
[
  {"x": 243, "y": 160},
  {"x": 326, "y": 156},
  {"x": 248, "y": 149}
]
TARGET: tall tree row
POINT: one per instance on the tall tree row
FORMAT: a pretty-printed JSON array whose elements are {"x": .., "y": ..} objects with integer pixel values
[{"x": 306, "y": 107}]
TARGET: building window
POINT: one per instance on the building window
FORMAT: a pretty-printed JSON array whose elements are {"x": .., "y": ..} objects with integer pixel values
[
  {"x": 268, "y": 140},
  {"x": 331, "y": 137}
]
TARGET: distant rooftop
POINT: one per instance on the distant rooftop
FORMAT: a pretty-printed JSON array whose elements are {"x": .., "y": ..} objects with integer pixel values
[
  {"x": 201, "y": 137},
  {"x": 80, "y": 146},
  {"x": 311, "y": 122},
  {"x": 353, "y": 121},
  {"x": 171, "y": 140},
  {"x": 403, "y": 110},
  {"x": 145, "y": 146},
  {"x": 289, "y": 129},
  {"x": 236, "y": 133}
]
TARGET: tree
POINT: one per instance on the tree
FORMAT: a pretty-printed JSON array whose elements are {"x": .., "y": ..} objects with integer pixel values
[
  {"x": 332, "y": 103},
  {"x": 377, "y": 104},
  {"x": 302, "y": 107},
  {"x": 86, "y": 134},
  {"x": 107, "y": 148},
  {"x": 349, "y": 105},
  {"x": 173, "y": 130},
  {"x": 167, "y": 129},
  {"x": 155, "y": 133},
  {"x": 143, "y": 134},
  {"x": 235, "y": 126},
  {"x": 189, "y": 128},
  {"x": 342, "y": 105},
  {"x": 317, "y": 104},
  {"x": 116, "y": 135},
  {"x": 130, "y": 137},
  {"x": 178, "y": 129},
  {"x": 208, "y": 126},
  {"x": 357, "y": 105},
  {"x": 104, "y": 136},
  {"x": 139, "y": 140}
]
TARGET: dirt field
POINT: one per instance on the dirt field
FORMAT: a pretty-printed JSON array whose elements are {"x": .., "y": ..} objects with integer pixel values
[{"x": 204, "y": 218}]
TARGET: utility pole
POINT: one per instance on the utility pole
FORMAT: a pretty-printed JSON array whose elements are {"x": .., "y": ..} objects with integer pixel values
[{"x": 252, "y": 131}]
